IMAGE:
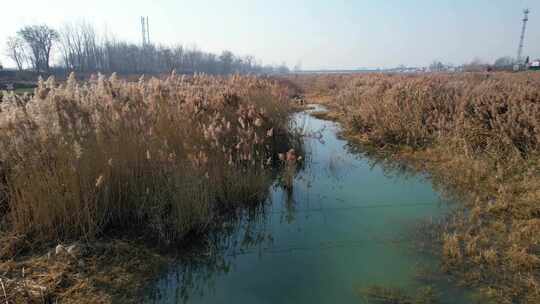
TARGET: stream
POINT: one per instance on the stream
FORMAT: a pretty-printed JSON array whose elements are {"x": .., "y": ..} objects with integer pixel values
[{"x": 342, "y": 228}]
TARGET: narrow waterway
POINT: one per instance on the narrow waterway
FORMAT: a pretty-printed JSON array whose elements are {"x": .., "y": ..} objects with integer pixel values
[{"x": 342, "y": 228}]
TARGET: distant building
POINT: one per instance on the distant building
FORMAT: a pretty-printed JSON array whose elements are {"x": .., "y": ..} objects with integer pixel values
[{"x": 535, "y": 65}]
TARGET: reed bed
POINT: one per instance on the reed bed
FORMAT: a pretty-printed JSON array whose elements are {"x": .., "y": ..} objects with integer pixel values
[
  {"x": 478, "y": 135},
  {"x": 160, "y": 157}
]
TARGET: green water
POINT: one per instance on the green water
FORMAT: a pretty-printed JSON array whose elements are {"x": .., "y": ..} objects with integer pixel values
[{"x": 341, "y": 229}]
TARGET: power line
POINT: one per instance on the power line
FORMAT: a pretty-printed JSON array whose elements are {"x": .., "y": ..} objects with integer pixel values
[{"x": 360, "y": 206}]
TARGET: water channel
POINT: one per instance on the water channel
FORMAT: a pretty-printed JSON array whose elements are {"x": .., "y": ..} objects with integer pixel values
[{"x": 341, "y": 229}]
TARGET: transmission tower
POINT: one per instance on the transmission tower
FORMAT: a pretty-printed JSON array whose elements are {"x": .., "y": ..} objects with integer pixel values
[
  {"x": 145, "y": 27},
  {"x": 522, "y": 38}
]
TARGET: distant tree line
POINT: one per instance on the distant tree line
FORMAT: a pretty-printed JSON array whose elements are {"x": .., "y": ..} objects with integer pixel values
[
  {"x": 79, "y": 48},
  {"x": 505, "y": 63}
]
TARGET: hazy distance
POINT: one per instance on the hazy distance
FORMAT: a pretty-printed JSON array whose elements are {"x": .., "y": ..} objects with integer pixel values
[{"x": 314, "y": 33}]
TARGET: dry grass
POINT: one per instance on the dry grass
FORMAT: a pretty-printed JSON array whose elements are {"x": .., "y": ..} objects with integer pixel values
[
  {"x": 479, "y": 137},
  {"x": 482, "y": 113},
  {"x": 111, "y": 271},
  {"x": 79, "y": 159},
  {"x": 154, "y": 158}
]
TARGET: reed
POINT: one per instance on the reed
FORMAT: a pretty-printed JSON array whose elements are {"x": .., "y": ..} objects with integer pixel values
[
  {"x": 480, "y": 113},
  {"x": 160, "y": 157}
]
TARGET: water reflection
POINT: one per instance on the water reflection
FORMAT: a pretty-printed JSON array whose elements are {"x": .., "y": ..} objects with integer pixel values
[
  {"x": 194, "y": 273},
  {"x": 336, "y": 226}
]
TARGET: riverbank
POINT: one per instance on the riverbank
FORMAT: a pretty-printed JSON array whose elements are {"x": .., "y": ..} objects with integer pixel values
[
  {"x": 104, "y": 271},
  {"x": 478, "y": 137}
]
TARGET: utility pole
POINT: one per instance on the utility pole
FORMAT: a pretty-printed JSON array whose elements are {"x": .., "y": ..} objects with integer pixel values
[
  {"x": 147, "y": 31},
  {"x": 145, "y": 28},
  {"x": 522, "y": 38}
]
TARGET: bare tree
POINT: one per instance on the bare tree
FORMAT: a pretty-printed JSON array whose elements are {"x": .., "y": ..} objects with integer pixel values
[
  {"x": 227, "y": 59},
  {"x": 39, "y": 40},
  {"x": 15, "y": 51},
  {"x": 73, "y": 47},
  {"x": 436, "y": 66},
  {"x": 83, "y": 50}
]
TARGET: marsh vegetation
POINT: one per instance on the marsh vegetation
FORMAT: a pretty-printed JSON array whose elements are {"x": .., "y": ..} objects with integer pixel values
[
  {"x": 154, "y": 159},
  {"x": 479, "y": 137},
  {"x": 185, "y": 188}
]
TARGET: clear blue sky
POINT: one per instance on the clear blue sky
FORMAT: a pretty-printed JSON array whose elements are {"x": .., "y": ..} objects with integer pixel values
[{"x": 317, "y": 33}]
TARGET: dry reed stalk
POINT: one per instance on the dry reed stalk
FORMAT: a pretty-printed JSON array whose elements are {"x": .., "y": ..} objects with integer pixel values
[{"x": 80, "y": 159}]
